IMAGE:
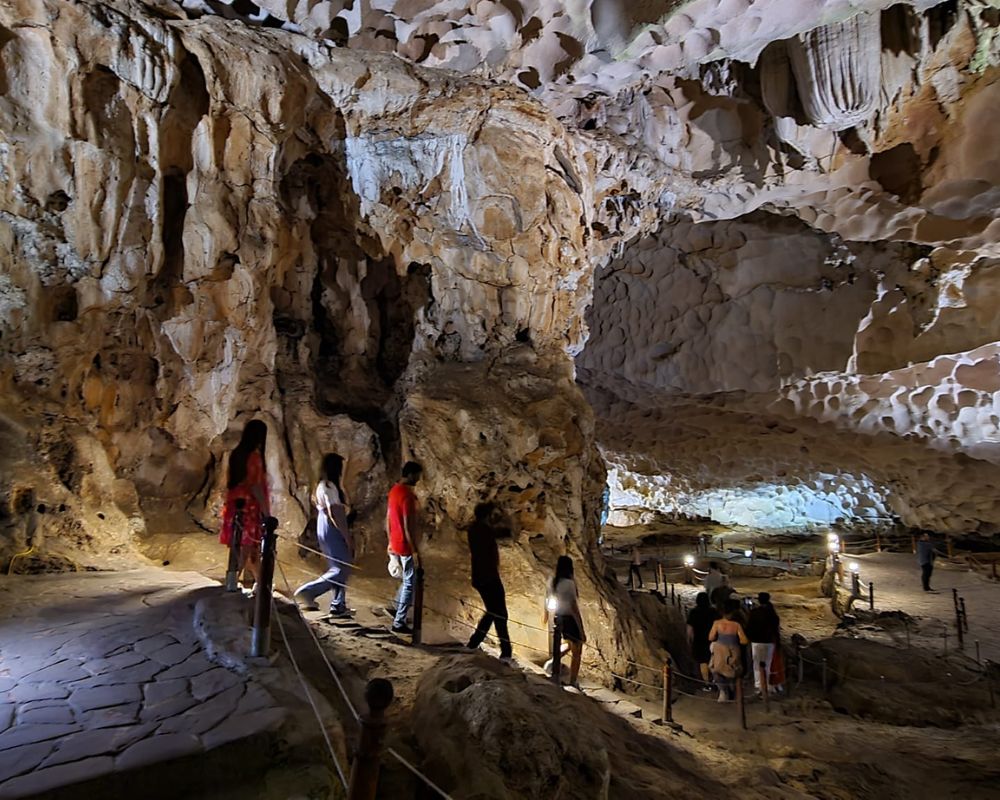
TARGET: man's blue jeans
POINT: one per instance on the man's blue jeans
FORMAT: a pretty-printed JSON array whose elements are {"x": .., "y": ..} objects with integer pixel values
[{"x": 404, "y": 597}]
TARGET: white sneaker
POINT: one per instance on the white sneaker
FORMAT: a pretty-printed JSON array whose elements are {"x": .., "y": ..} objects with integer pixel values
[{"x": 307, "y": 603}]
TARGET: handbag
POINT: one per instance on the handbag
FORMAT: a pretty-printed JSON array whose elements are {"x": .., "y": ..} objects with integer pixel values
[{"x": 395, "y": 566}]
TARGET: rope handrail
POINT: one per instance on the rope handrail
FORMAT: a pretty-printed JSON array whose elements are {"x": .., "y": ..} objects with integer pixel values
[
  {"x": 301, "y": 546},
  {"x": 309, "y": 697}
]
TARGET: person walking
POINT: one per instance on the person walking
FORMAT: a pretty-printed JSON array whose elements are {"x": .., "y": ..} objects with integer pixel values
[
  {"x": 485, "y": 561},
  {"x": 634, "y": 574},
  {"x": 247, "y": 481},
  {"x": 700, "y": 620},
  {"x": 562, "y": 600},
  {"x": 333, "y": 508},
  {"x": 925, "y": 558},
  {"x": 714, "y": 581},
  {"x": 404, "y": 539},
  {"x": 727, "y": 657},
  {"x": 764, "y": 631}
]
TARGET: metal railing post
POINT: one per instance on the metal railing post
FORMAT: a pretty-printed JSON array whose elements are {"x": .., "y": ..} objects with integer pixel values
[
  {"x": 557, "y": 651},
  {"x": 236, "y": 535},
  {"x": 418, "y": 606},
  {"x": 668, "y": 711},
  {"x": 364, "y": 772},
  {"x": 260, "y": 639},
  {"x": 871, "y": 596}
]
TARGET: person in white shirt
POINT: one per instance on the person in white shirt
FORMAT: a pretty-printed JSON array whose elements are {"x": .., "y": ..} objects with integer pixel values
[
  {"x": 332, "y": 506},
  {"x": 562, "y": 600}
]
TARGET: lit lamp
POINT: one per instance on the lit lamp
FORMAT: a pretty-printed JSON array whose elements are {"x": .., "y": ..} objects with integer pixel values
[
  {"x": 748, "y": 553},
  {"x": 854, "y": 567},
  {"x": 689, "y": 561},
  {"x": 551, "y": 603}
]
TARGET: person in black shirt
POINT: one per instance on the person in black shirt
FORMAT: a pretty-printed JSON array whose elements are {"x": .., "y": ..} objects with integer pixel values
[
  {"x": 485, "y": 558},
  {"x": 699, "y": 623},
  {"x": 764, "y": 632}
]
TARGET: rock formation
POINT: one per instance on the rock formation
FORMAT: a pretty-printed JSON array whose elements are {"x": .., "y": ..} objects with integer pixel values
[{"x": 377, "y": 227}]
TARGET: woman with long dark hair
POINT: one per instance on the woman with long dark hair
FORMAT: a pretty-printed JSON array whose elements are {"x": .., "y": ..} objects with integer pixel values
[
  {"x": 332, "y": 508},
  {"x": 562, "y": 601},
  {"x": 247, "y": 481}
]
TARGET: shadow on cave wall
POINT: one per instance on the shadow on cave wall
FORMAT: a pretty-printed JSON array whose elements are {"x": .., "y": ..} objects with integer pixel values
[{"x": 359, "y": 318}]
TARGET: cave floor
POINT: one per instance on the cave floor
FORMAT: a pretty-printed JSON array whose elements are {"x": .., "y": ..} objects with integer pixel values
[
  {"x": 800, "y": 748},
  {"x": 103, "y": 678}
]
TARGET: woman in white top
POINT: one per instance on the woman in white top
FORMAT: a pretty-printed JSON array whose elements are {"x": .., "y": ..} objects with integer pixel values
[
  {"x": 332, "y": 507},
  {"x": 562, "y": 601}
]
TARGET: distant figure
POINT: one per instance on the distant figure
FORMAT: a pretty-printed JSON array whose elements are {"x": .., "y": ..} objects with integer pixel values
[
  {"x": 925, "y": 558},
  {"x": 700, "y": 620},
  {"x": 727, "y": 657},
  {"x": 764, "y": 632},
  {"x": 562, "y": 600},
  {"x": 404, "y": 540},
  {"x": 485, "y": 557},
  {"x": 332, "y": 507},
  {"x": 247, "y": 481},
  {"x": 714, "y": 581},
  {"x": 634, "y": 575}
]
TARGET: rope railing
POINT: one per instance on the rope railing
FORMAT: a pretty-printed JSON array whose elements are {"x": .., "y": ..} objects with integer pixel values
[
  {"x": 343, "y": 691},
  {"x": 309, "y": 697}
]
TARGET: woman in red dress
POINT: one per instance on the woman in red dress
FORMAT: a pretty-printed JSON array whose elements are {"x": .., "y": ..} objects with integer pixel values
[{"x": 248, "y": 482}]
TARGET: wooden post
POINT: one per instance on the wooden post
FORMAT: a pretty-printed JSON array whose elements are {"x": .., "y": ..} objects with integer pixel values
[
  {"x": 418, "y": 606},
  {"x": 954, "y": 599},
  {"x": 668, "y": 711},
  {"x": 762, "y": 670},
  {"x": 965, "y": 616},
  {"x": 855, "y": 584},
  {"x": 557, "y": 651},
  {"x": 656, "y": 576},
  {"x": 871, "y": 596},
  {"x": 824, "y": 676},
  {"x": 801, "y": 664},
  {"x": 951, "y": 548},
  {"x": 260, "y": 638},
  {"x": 913, "y": 543},
  {"x": 878, "y": 543},
  {"x": 961, "y": 633},
  {"x": 753, "y": 553},
  {"x": 780, "y": 556},
  {"x": 979, "y": 660},
  {"x": 663, "y": 577},
  {"x": 740, "y": 703},
  {"x": 233, "y": 570},
  {"x": 364, "y": 772},
  {"x": 673, "y": 594}
]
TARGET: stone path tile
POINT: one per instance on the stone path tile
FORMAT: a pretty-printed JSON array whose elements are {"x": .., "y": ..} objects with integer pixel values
[
  {"x": 6, "y": 716},
  {"x": 207, "y": 715},
  {"x": 151, "y": 644},
  {"x": 210, "y": 683},
  {"x": 26, "y": 692},
  {"x": 157, "y": 749},
  {"x": 124, "y": 714},
  {"x": 30, "y": 734},
  {"x": 99, "y": 666},
  {"x": 238, "y": 727},
  {"x": 105, "y": 741},
  {"x": 138, "y": 673},
  {"x": 47, "y": 715},
  {"x": 19, "y": 760},
  {"x": 194, "y": 665},
  {"x": 161, "y": 691},
  {"x": 43, "y": 780},
  {"x": 87, "y": 698}
]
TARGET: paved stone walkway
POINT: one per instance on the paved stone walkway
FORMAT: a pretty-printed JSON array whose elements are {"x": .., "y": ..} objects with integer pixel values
[
  {"x": 897, "y": 586},
  {"x": 103, "y": 673}
]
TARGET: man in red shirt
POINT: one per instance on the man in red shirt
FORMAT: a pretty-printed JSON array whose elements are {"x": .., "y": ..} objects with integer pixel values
[{"x": 401, "y": 529}]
